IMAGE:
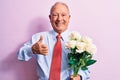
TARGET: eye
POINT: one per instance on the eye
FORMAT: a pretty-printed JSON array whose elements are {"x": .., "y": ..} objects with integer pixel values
[
  {"x": 63, "y": 15},
  {"x": 54, "y": 15}
]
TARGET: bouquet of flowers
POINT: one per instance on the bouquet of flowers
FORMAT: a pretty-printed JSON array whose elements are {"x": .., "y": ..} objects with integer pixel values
[{"x": 81, "y": 52}]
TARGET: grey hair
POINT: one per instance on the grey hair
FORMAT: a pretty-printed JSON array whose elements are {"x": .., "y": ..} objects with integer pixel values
[{"x": 59, "y": 3}]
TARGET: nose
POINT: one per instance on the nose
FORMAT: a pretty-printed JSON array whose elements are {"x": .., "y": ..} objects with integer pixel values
[{"x": 59, "y": 17}]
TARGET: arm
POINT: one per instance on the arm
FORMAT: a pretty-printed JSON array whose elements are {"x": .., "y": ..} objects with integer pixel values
[
  {"x": 25, "y": 53},
  {"x": 34, "y": 46}
]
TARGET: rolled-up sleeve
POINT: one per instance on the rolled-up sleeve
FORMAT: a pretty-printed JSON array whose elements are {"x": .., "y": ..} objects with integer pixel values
[{"x": 25, "y": 53}]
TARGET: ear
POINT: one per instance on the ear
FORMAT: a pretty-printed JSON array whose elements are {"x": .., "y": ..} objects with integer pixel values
[
  {"x": 50, "y": 17},
  {"x": 69, "y": 16}
]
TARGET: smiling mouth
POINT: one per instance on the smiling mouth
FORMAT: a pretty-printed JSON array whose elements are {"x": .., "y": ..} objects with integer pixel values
[{"x": 59, "y": 23}]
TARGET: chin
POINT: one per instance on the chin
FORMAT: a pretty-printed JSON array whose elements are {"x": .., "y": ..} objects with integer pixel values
[{"x": 60, "y": 31}]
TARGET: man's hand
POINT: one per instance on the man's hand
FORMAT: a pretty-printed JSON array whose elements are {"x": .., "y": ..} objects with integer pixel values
[
  {"x": 39, "y": 47},
  {"x": 75, "y": 78}
]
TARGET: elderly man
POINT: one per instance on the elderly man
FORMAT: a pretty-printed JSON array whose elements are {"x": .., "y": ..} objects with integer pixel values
[{"x": 50, "y": 51}]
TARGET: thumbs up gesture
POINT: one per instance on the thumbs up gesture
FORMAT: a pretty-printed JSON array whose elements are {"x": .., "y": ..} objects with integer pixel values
[{"x": 39, "y": 47}]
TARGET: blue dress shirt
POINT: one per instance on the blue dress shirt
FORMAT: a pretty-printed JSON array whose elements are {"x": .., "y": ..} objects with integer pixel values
[{"x": 44, "y": 62}]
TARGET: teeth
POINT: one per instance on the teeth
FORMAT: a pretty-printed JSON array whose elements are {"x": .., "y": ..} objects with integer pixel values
[{"x": 59, "y": 23}]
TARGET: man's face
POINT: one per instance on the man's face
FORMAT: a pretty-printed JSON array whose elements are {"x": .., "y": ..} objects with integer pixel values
[{"x": 59, "y": 18}]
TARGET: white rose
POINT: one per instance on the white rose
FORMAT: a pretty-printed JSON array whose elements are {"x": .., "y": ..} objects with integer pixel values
[
  {"x": 91, "y": 48},
  {"x": 71, "y": 44},
  {"x": 75, "y": 36},
  {"x": 87, "y": 40},
  {"x": 80, "y": 47}
]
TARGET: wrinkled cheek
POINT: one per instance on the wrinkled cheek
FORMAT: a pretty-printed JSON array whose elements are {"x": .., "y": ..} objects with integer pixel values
[{"x": 53, "y": 24}]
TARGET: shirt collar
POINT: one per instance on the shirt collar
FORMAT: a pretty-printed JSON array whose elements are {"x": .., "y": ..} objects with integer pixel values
[{"x": 64, "y": 35}]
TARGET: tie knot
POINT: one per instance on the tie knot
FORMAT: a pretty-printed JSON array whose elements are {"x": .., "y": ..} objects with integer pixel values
[{"x": 58, "y": 36}]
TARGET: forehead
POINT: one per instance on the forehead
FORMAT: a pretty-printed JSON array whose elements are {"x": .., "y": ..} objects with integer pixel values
[{"x": 60, "y": 8}]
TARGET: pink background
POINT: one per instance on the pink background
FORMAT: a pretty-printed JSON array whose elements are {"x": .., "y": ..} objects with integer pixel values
[{"x": 20, "y": 19}]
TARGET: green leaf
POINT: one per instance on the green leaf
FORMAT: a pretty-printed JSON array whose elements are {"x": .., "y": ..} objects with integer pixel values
[
  {"x": 90, "y": 62},
  {"x": 84, "y": 68},
  {"x": 87, "y": 53},
  {"x": 89, "y": 57},
  {"x": 71, "y": 62}
]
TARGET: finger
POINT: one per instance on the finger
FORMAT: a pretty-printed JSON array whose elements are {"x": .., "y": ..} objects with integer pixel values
[
  {"x": 44, "y": 49},
  {"x": 44, "y": 46},
  {"x": 44, "y": 52},
  {"x": 41, "y": 38}
]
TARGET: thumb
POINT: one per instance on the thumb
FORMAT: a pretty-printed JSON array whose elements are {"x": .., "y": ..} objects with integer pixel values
[{"x": 41, "y": 38}]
